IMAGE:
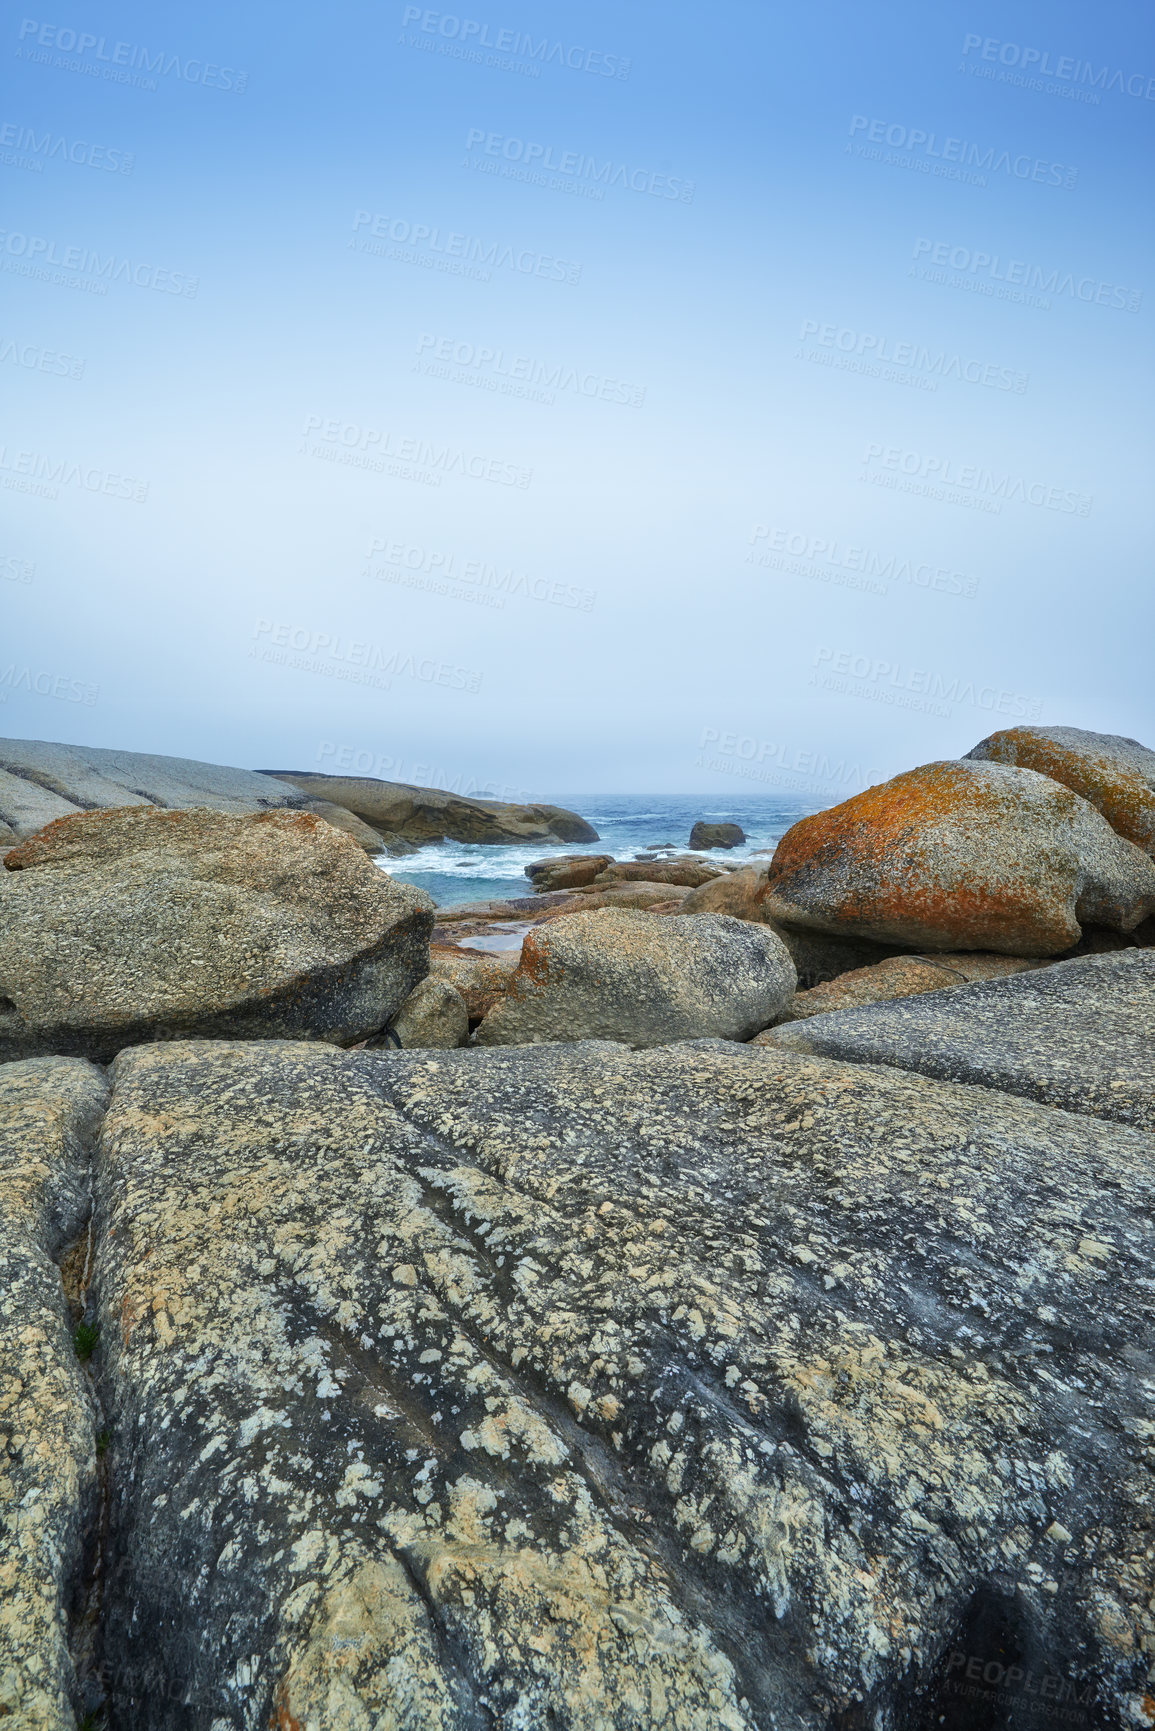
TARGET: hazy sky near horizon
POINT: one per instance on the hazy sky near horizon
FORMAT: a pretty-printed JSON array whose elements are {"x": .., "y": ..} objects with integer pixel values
[{"x": 571, "y": 397}]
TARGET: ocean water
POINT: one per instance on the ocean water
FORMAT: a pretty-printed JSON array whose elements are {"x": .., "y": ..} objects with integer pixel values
[{"x": 455, "y": 871}]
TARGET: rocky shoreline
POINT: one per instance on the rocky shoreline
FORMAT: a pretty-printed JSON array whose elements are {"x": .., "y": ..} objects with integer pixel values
[{"x": 679, "y": 1297}]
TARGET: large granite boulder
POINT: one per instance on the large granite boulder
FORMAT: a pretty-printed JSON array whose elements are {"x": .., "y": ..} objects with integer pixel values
[
  {"x": 428, "y": 814},
  {"x": 641, "y": 978},
  {"x": 50, "y": 1112},
  {"x": 962, "y": 856},
  {"x": 140, "y": 924},
  {"x": 902, "y": 977},
  {"x": 701, "y": 1389},
  {"x": 1080, "y": 1035},
  {"x": 706, "y": 835},
  {"x": 817, "y": 956},
  {"x": 1116, "y": 775}
]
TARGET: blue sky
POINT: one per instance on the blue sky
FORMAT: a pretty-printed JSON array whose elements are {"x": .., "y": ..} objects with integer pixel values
[{"x": 576, "y": 397}]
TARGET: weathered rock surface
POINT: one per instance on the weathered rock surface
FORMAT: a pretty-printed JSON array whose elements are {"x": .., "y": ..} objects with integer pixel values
[
  {"x": 1116, "y": 775},
  {"x": 704, "y": 1389},
  {"x": 50, "y": 1111},
  {"x": 480, "y": 976},
  {"x": 902, "y": 977},
  {"x": 641, "y": 978},
  {"x": 1079, "y": 1035},
  {"x": 690, "y": 872},
  {"x": 512, "y": 908},
  {"x": 41, "y": 780},
  {"x": 434, "y": 1014},
  {"x": 569, "y": 872},
  {"x": 139, "y": 924},
  {"x": 704, "y": 835},
  {"x": 959, "y": 856},
  {"x": 369, "y": 839},
  {"x": 745, "y": 895},
  {"x": 631, "y": 893},
  {"x": 423, "y": 814}
]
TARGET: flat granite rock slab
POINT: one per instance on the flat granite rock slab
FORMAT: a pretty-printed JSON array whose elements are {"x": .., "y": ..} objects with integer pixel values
[
  {"x": 41, "y": 780},
  {"x": 1080, "y": 1035},
  {"x": 704, "y": 1388},
  {"x": 49, "y": 1114}
]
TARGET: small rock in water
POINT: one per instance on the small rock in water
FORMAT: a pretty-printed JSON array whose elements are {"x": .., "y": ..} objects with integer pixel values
[{"x": 707, "y": 835}]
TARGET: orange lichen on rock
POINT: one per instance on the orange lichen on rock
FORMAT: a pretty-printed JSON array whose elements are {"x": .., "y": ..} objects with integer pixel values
[
  {"x": 961, "y": 855},
  {"x": 1116, "y": 775}
]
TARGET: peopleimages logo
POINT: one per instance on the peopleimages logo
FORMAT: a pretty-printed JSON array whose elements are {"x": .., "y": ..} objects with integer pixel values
[
  {"x": 937, "y": 363},
  {"x": 48, "y": 146},
  {"x": 987, "y": 484},
  {"x": 1031, "y": 278},
  {"x": 472, "y": 34},
  {"x": 33, "y": 472},
  {"x": 766, "y": 760},
  {"x": 493, "y": 369},
  {"x": 1037, "y": 61},
  {"x": 36, "y": 256},
  {"x": 882, "y": 681},
  {"x": 123, "y": 60},
  {"x": 863, "y": 567},
  {"x": 443, "y": 572},
  {"x": 361, "y": 663},
  {"x": 931, "y": 152},
  {"x": 62, "y": 686},
  {"x": 41, "y": 360},
  {"x": 538, "y": 159},
  {"x": 383, "y": 452},
  {"x": 456, "y": 252}
]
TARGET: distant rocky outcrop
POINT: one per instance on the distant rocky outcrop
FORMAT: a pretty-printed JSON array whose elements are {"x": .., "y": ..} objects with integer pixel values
[
  {"x": 138, "y": 924},
  {"x": 958, "y": 856},
  {"x": 1116, "y": 775},
  {"x": 643, "y": 979},
  {"x": 41, "y": 781},
  {"x": 426, "y": 814},
  {"x": 706, "y": 835}
]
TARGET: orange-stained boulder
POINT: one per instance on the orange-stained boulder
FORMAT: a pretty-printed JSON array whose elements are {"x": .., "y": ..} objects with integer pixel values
[
  {"x": 817, "y": 956},
  {"x": 962, "y": 856},
  {"x": 902, "y": 977},
  {"x": 1115, "y": 774}
]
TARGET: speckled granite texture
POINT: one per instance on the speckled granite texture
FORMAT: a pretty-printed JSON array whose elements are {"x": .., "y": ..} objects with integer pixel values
[{"x": 1080, "y": 1035}]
